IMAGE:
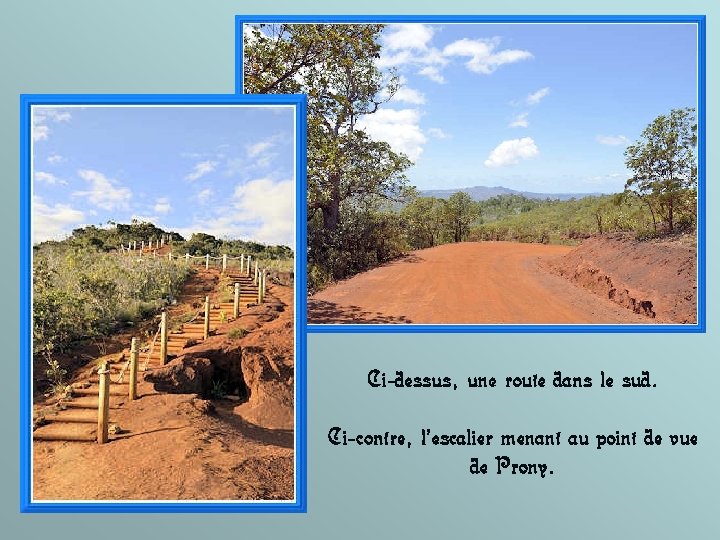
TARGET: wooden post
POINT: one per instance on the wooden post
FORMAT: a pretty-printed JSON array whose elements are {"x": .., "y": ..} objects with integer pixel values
[
  {"x": 224, "y": 262},
  {"x": 162, "y": 241},
  {"x": 207, "y": 261},
  {"x": 133, "y": 369},
  {"x": 262, "y": 283},
  {"x": 142, "y": 246},
  {"x": 154, "y": 253},
  {"x": 236, "y": 304},
  {"x": 248, "y": 265},
  {"x": 187, "y": 258},
  {"x": 134, "y": 244},
  {"x": 206, "y": 326},
  {"x": 103, "y": 403},
  {"x": 169, "y": 255},
  {"x": 163, "y": 338}
]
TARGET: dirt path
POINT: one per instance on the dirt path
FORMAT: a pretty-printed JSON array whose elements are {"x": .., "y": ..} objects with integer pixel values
[
  {"x": 466, "y": 283},
  {"x": 175, "y": 446}
]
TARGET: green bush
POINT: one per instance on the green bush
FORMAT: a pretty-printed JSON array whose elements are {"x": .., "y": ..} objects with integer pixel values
[
  {"x": 237, "y": 333},
  {"x": 81, "y": 293}
]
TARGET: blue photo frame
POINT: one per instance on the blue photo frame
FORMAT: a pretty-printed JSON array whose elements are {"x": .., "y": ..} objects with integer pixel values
[
  {"x": 27, "y": 504},
  {"x": 699, "y": 20}
]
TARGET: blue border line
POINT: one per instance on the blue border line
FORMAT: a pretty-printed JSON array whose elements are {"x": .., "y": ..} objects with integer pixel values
[
  {"x": 700, "y": 327},
  {"x": 702, "y": 174},
  {"x": 300, "y": 503}
]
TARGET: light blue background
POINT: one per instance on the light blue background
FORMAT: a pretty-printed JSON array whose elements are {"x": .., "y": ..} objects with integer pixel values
[{"x": 185, "y": 47}]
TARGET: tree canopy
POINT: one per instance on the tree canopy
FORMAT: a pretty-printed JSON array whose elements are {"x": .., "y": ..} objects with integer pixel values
[
  {"x": 335, "y": 65},
  {"x": 664, "y": 163}
]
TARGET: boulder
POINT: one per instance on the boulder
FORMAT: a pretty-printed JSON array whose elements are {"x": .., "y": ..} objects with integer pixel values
[{"x": 184, "y": 375}]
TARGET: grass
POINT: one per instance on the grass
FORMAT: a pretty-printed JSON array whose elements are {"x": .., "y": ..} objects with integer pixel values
[{"x": 237, "y": 333}]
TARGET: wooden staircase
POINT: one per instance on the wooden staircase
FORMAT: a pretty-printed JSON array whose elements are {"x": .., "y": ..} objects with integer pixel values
[{"x": 75, "y": 417}]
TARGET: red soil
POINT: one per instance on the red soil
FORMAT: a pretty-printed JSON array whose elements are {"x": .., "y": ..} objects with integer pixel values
[
  {"x": 481, "y": 283},
  {"x": 657, "y": 278}
]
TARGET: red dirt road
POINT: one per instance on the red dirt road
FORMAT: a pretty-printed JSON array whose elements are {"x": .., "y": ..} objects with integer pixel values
[{"x": 467, "y": 283}]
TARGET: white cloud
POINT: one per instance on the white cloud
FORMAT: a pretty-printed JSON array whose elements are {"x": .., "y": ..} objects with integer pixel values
[
  {"x": 145, "y": 219},
  {"x": 201, "y": 169},
  {"x": 483, "y": 55},
  {"x": 511, "y": 152},
  {"x": 407, "y": 36},
  {"x": 409, "y": 44},
  {"x": 53, "y": 222},
  {"x": 437, "y": 133},
  {"x": 204, "y": 196},
  {"x": 399, "y": 128},
  {"x": 272, "y": 205},
  {"x": 262, "y": 210},
  {"x": 397, "y": 59},
  {"x": 612, "y": 140},
  {"x": 42, "y": 116},
  {"x": 432, "y": 73},
  {"x": 251, "y": 34},
  {"x": 40, "y": 132},
  {"x": 162, "y": 205},
  {"x": 57, "y": 115},
  {"x": 409, "y": 95},
  {"x": 256, "y": 149},
  {"x": 520, "y": 120},
  {"x": 47, "y": 178},
  {"x": 536, "y": 97},
  {"x": 54, "y": 159},
  {"x": 102, "y": 192}
]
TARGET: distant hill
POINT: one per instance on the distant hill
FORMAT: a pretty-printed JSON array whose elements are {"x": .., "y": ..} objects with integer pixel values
[{"x": 481, "y": 193}]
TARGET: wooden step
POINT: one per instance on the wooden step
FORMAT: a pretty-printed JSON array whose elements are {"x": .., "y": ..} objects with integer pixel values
[
  {"x": 196, "y": 334},
  {"x": 93, "y": 405},
  {"x": 80, "y": 437},
  {"x": 190, "y": 328},
  {"x": 96, "y": 391},
  {"x": 95, "y": 380},
  {"x": 70, "y": 419}
]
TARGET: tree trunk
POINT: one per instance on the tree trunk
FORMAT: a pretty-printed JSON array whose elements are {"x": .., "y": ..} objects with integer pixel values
[
  {"x": 331, "y": 215},
  {"x": 331, "y": 210},
  {"x": 652, "y": 213}
]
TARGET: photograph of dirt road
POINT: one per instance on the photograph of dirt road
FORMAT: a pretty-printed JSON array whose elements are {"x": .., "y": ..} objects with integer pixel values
[
  {"x": 495, "y": 173},
  {"x": 163, "y": 303}
]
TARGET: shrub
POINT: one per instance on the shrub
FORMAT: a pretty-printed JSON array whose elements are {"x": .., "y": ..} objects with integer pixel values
[{"x": 237, "y": 333}]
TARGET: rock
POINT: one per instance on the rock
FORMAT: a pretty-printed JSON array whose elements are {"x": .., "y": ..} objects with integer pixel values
[
  {"x": 184, "y": 375},
  {"x": 205, "y": 406},
  {"x": 115, "y": 429},
  {"x": 270, "y": 388}
]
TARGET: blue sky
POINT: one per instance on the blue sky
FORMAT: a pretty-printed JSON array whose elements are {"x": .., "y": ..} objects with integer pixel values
[
  {"x": 538, "y": 107},
  {"x": 226, "y": 171}
]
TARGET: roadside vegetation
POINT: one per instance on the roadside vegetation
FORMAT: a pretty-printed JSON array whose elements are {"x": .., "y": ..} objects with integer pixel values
[{"x": 81, "y": 294}]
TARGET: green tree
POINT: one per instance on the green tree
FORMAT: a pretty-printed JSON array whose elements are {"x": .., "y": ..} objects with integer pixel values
[
  {"x": 335, "y": 65},
  {"x": 423, "y": 221},
  {"x": 664, "y": 163},
  {"x": 460, "y": 212}
]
